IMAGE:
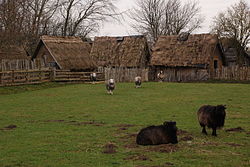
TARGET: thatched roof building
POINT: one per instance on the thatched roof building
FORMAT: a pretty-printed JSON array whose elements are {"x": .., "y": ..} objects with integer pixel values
[
  {"x": 127, "y": 51},
  {"x": 69, "y": 53},
  {"x": 185, "y": 56},
  {"x": 197, "y": 51},
  {"x": 13, "y": 53}
]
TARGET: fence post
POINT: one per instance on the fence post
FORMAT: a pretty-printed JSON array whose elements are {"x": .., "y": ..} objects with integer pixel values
[
  {"x": 1, "y": 79},
  {"x": 13, "y": 76},
  {"x": 52, "y": 74},
  {"x": 26, "y": 76},
  {"x": 40, "y": 75}
]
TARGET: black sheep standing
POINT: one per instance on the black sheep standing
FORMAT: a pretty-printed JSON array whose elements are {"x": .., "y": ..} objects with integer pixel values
[{"x": 212, "y": 117}]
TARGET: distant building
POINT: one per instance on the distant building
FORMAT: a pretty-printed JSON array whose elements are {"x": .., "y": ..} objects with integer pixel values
[
  {"x": 188, "y": 58},
  {"x": 67, "y": 53},
  {"x": 127, "y": 51}
]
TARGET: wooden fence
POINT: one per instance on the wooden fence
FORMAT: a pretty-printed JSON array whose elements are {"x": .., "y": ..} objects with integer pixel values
[
  {"x": 21, "y": 64},
  {"x": 180, "y": 74},
  {"x": 233, "y": 73},
  {"x": 12, "y": 78},
  {"x": 120, "y": 74}
]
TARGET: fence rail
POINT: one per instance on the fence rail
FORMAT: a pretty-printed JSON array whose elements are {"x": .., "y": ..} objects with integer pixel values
[{"x": 12, "y": 78}]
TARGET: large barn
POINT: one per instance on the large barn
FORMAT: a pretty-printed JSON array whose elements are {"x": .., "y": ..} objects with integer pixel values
[
  {"x": 195, "y": 58},
  {"x": 67, "y": 53},
  {"x": 122, "y": 58}
]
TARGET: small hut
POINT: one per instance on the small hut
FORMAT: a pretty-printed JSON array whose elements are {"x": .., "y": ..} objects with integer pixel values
[
  {"x": 193, "y": 58},
  {"x": 122, "y": 58},
  {"x": 13, "y": 58},
  {"x": 67, "y": 53}
]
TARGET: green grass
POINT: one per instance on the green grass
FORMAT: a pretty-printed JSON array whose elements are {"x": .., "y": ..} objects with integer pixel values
[{"x": 40, "y": 139}]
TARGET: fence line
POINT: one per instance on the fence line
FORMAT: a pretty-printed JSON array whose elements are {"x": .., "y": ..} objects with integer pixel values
[
  {"x": 12, "y": 78},
  {"x": 120, "y": 74},
  {"x": 9, "y": 78},
  {"x": 233, "y": 73}
]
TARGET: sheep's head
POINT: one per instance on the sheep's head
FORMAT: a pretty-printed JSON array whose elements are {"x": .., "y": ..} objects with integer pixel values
[{"x": 171, "y": 130}]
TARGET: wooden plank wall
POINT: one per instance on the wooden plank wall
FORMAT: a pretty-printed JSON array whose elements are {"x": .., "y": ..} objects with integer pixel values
[
  {"x": 21, "y": 64},
  {"x": 120, "y": 74}
]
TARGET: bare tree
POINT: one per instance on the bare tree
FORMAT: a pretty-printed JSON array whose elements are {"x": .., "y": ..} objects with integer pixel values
[
  {"x": 234, "y": 23},
  {"x": 165, "y": 17},
  {"x": 22, "y": 21},
  {"x": 81, "y": 17}
]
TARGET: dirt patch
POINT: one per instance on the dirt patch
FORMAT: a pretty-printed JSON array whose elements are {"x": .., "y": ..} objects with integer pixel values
[
  {"x": 163, "y": 148},
  {"x": 181, "y": 132},
  {"x": 138, "y": 158},
  {"x": 210, "y": 144},
  {"x": 131, "y": 145},
  {"x": 10, "y": 127},
  {"x": 167, "y": 164},
  {"x": 184, "y": 135},
  {"x": 88, "y": 123},
  {"x": 186, "y": 138},
  {"x": 238, "y": 129},
  {"x": 54, "y": 121},
  {"x": 248, "y": 133},
  {"x": 233, "y": 144},
  {"x": 123, "y": 125},
  {"x": 109, "y": 148}
]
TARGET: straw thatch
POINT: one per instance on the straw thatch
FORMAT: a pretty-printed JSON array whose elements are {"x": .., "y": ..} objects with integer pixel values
[
  {"x": 197, "y": 51},
  {"x": 67, "y": 52},
  {"x": 128, "y": 51},
  {"x": 13, "y": 53}
]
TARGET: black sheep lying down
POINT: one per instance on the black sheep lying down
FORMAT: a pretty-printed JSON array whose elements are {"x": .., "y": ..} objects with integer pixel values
[
  {"x": 212, "y": 117},
  {"x": 155, "y": 135}
]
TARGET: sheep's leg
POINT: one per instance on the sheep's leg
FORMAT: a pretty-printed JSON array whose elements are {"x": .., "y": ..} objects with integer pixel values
[
  {"x": 204, "y": 129},
  {"x": 214, "y": 132}
]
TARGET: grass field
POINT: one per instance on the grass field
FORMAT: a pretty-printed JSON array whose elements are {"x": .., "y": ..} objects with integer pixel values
[{"x": 81, "y": 125}]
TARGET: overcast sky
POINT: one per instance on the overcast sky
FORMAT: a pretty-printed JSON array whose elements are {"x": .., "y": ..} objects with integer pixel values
[{"x": 209, "y": 9}]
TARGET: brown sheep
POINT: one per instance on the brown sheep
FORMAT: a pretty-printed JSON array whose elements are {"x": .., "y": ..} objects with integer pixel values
[
  {"x": 212, "y": 117},
  {"x": 155, "y": 135}
]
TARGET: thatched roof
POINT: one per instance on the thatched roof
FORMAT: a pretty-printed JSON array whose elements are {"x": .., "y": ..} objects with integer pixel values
[
  {"x": 13, "y": 52},
  {"x": 128, "y": 51},
  {"x": 68, "y": 52},
  {"x": 196, "y": 51}
]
